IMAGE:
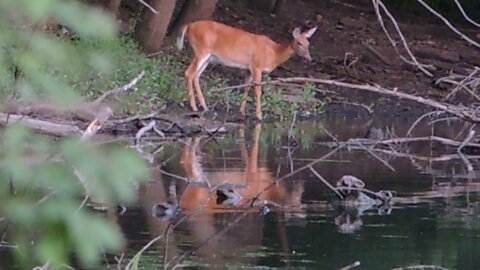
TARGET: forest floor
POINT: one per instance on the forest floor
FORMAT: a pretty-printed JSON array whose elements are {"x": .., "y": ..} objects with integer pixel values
[{"x": 350, "y": 46}]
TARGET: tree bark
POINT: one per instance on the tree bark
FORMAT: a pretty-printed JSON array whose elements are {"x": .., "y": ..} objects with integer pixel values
[
  {"x": 193, "y": 10},
  {"x": 152, "y": 28},
  {"x": 114, "y": 7},
  {"x": 279, "y": 7}
]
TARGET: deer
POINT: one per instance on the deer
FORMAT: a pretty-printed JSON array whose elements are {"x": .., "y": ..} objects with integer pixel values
[{"x": 214, "y": 42}]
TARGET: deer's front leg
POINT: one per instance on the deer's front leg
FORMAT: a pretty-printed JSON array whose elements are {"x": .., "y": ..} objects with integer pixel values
[
  {"x": 246, "y": 90},
  {"x": 257, "y": 77}
]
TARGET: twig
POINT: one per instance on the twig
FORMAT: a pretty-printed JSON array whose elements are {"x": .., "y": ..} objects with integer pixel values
[
  {"x": 414, "y": 139},
  {"x": 117, "y": 90},
  {"x": 376, "y": 5},
  {"x": 471, "y": 41},
  {"x": 436, "y": 267},
  {"x": 97, "y": 123},
  {"x": 148, "y": 6},
  {"x": 134, "y": 118},
  {"x": 420, "y": 119},
  {"x": 319, "y": 176},
  {"x": 368, "y": 109},
  {"x": 308, "y": 165},
  {"x": 350, "y": 266},
  {"x": 463, "y": 113},
  {"x": 466, "y": 141},
  {"x": 143, "y": 130},
  {"x": 465, "y": 14},
  {"x": 377, "y": 54},
  {"x": 291, "y": 126},
  {"x": 40, "y": 125},
  {"x": 376, "y": 156}
]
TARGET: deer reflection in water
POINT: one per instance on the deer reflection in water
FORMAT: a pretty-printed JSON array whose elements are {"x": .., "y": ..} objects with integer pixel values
[
  {"x": 236, "y": 183},
  {"x": 204, "y": 211}
]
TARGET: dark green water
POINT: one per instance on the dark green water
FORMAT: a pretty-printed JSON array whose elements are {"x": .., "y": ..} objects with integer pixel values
[{"x": 434, "y": 221}]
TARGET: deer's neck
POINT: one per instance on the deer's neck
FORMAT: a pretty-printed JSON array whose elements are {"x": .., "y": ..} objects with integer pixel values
[{"x": 284, "y": 52}]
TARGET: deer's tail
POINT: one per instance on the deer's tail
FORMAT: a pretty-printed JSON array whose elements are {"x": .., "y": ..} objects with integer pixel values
[{"x": 181, "y": 37}]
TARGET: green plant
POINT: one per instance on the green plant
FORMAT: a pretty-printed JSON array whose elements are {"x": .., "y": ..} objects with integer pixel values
[{"x": 44, "y": 180}]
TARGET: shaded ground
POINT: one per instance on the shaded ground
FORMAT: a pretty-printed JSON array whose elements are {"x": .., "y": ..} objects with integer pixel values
[
  {"x": 349, "y": 45},
  {"x": 346, "y": 32}
]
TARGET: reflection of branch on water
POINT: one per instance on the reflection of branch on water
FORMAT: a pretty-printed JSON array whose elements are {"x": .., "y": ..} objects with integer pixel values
[
  {"x": 350, "y": 266},
  {"x": 421, "y": 267}
]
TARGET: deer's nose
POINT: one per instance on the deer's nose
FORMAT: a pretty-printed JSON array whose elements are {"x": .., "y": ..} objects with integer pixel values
[{"x": 308, "y": 57}]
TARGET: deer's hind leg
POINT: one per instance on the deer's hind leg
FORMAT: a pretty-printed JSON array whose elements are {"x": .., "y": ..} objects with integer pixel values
[
  {"x": 201, "y": 66},
  {"x": 189, "y": 76}
]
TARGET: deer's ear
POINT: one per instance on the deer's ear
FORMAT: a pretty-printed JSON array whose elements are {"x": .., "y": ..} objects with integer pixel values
[
  {"x": 310, "y": 32},
  {"x": 296, "y": 32}
]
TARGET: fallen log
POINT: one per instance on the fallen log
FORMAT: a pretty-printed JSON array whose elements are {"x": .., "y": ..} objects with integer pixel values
[{"x": 41, "y": 126}]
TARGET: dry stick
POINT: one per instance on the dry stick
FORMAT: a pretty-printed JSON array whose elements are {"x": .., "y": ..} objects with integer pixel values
[
  {"x": 452, "y": 109},
  {"x": 117, "y": 90},
  {"x": 471, "y": 41},
  {"x": 274, "y": 183},
  {"x": 423, "y": 158},
  {"x": 368, "y": 109},
  {"x": 39, "y": 125},
  {"x": 143, "y": 130},
  {"x": 171, "y": 226},
  {"x": 350, "y": 266},
  {"x": 289, "y": 138},
  {"x": 252, "y": 201},
  {"x": 377, "y": 54},
  {"x": 465, "y": 14},
  {"x": 449, "y": 108},
  {"x": 319, "y": 176},
  {"x": 134, "y": 118},
  {"x": 197, "y": 247},
  {"x": 422, "y": 67},
  {"x": 97, "y": 123},
  {"x": 364, "y": 190},
  {"x": 414, "y": 139},
  {"x": 466, "y": 141},
  {"x": 148, "y": 6},
  {"x": 376, "y": 156},
  {"x": 421, "y": 267},
  {"x": 420, "y": 119},
  {"x": 460, "y": 84}
]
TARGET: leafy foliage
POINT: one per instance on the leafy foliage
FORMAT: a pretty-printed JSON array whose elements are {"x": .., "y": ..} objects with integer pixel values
[{"x": 44, "y": 180}]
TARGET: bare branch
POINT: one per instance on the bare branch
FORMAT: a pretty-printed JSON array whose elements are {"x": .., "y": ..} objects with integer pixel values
[
  {"x": 154, "y": 11},
  {"x": 377, "y": 4},
  {"x": 465, "y": 14},
  {"x": 117, "y": 90},
  {"x": 458, "y": 32}
]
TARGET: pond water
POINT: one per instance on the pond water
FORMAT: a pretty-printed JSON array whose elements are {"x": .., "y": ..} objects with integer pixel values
[
  {"x": 433, "y": 219},
  {"x": 295, "y": 222}
]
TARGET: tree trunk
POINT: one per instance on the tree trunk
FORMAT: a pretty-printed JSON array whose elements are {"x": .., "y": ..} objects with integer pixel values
[
  {"x": 114, "y": 7},
  {"x": 193, "y": 10},
  {"x": 279, "y": 7},
  {"x": 151, "y": 29}
]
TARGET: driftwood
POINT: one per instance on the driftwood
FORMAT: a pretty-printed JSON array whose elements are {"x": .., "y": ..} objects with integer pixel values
[
  {"x": 97, "y": 123},
  {"x": 45, "y": 127},
  {"x": 461, "y": 112},
  {"x": 90, "y": 111}
]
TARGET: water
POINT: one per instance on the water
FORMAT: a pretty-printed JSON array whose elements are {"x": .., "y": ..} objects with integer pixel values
[
  {"x": 295, "y": 223},
  {"x": 433, "y": 220}
]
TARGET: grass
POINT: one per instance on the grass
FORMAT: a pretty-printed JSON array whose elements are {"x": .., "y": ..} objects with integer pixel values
[{"x": 164, "y": 85}]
